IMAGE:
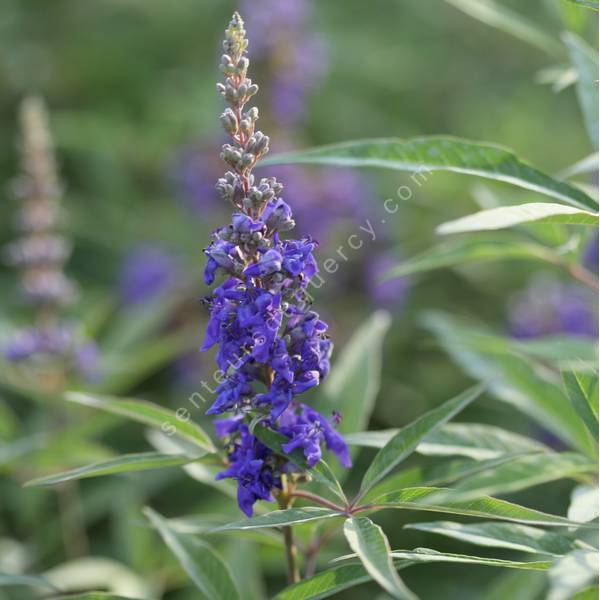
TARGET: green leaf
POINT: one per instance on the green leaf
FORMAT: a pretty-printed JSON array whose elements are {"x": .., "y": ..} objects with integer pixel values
[
  {"x": 373, "y": 549},
  {"x": 592, "y": 4},
  {"x": 126, "y": 463},
  {"x": 584, "y": 503},
  {"x": 572, "y": 573},
  {"x": 531, "y": 387},
  {"x": 503, "y": 18},
  {"x": 461, "y": 252},
  {"x": 353, "y": 384},
  {"x": 427, "y": 555},
  {"x": 419, "y": 498},
  {"x": 590, "y": 593},
  {"x": 320, "y": 472},
  {"x": 203, "y": 565},
  {"x": 9, "y": 580},
  {"x": 503, "y": 217},
  {"x": 585, "y": 60},
  {"x": 584, "y": 399},
  {"x": 409, "y": 437},
  {"x": 585, "y": 166},
  {"x": 149, "y": 414},
  {"x": 501, "y": 535},
  {"x": 426, "y": 154},
  {"x": 326, "y": 583},
  {"x": 516, "y": 585},
  {"x": 521, "y": 473},
  {"x": 94, "y": 596},
  {"x": 437, "y": 474},
  {"x": 280, "y": 518},
  {"x": 474, "y": 440}
]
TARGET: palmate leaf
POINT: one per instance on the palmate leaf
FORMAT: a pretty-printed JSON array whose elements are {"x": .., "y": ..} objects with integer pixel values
[
  {"x": 349, "y": 574},
  {"x": 501, "y": 535},
  {"x": 203, "y": 565},
  {"x": 503, "y": 18},
  {"x": 353, "y": 384},
  {"x": 280, "y": 518},
  {"x": 426, "y": 154},
  {"x": 503, "y": 217},
  {"x": 530, "y": 387},
  {"x": 126, "y": 463},
  {"x": 409, "y": 437},
  {"x": 423, "y": 498},
  {"x": 521, "y": 473},
  {"x": 583, "y": 394},
  {"x": 148, "y": 414},
  {"x": 473, "y": 440},
  {"x": 461, "y": 252},
  {"x": 372, "y": 547}
]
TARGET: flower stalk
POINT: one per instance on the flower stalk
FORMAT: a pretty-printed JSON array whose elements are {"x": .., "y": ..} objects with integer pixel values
[{"x": 272, "y": 346}]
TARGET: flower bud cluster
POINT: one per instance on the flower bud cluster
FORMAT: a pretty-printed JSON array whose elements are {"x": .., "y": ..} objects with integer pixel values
[{"x": 271, "y": 346}]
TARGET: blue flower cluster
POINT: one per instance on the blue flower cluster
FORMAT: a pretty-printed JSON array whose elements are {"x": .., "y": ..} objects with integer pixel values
[{"x": 271, "y": 346}]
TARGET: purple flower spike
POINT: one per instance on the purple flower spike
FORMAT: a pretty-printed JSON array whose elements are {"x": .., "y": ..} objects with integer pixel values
[{"x": 270, "y": 346}]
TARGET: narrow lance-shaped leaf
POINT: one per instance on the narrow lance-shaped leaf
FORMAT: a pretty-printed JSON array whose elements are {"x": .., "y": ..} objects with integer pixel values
[
  {"x": 503, "y": 18},
  {"x": 501, "y": 535},
  {"x": 427, "y": 555},
  {"x": 148, "y": 414},
  {"x": 423, "y": 498},
  {"x": 585, "y": 60},
  {"x": 522, "y": 382},
  {"x": 591, "y": 4},
  {"x": 409, "y": 437},
  {"x": 503, "y": 217},
  {"x": 126, "y": 463},
  {"x": 326, "y": 583},
  {"x": 474, "y": 440},
  {"x": 582, "y": 399},
  {"x": 203, "y": 565},
  {"x": 373, "y": 549},
  {"x": 424, "y": 155},
  {"x": 18, "y": 579},
  {"x": 280, "y": 518},
  {"x": 353, "y": 384},
  {"x": 461, "y": 252},
  {"x": 521, "y": 473}
]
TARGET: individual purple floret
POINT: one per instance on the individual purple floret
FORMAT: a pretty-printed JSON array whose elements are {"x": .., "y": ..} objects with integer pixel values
[
  {"x": 147, "y": 272},
  {"x": 271, "y": 347}
]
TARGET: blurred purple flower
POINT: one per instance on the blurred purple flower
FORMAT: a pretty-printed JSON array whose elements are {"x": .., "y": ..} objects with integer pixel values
[
  {"x": 550, "y": 307},
  {"x": 294, "y": 56},
  {"x": 590, "y": 254},
  {"x": 389, "y": 294},
  {"x": 147, "y": 272}
]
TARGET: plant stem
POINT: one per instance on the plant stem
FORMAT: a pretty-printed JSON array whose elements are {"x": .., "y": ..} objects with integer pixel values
[
  {"x": 285, "y": 501},
  {"x": 318, "y": 500}
]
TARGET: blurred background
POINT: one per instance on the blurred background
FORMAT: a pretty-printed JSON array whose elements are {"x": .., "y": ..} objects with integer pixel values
[{"x": 130, "y": 89}]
